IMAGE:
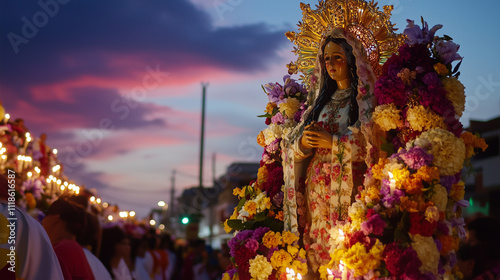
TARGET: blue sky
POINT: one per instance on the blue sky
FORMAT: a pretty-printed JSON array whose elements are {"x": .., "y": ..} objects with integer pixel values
[{"x": 139, "y": 65}]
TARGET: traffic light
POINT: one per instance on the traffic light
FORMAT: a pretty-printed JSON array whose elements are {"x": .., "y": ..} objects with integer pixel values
[{"x": 185, "y": 220}]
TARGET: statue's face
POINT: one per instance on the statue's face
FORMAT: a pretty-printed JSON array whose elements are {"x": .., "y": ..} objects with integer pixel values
[{"x": 336, "y": 62}]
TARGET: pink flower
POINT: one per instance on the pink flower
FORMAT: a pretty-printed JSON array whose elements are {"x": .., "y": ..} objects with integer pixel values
[{"x": 374, "y": 225}]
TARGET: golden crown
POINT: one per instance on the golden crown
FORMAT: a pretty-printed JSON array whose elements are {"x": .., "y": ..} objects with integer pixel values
[{"x": 360, "y": 18}]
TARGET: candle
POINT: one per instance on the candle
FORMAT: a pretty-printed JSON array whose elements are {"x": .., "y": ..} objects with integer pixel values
[
  {"x": 330, "y": 274},
  {"x": 392, "y": 183},
  {"x": 343, "y": 270}
]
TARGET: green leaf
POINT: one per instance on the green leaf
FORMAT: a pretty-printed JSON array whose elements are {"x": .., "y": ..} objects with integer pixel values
[
  {"x": 260, "y": 217},
  {"x": 266, "y": 115},
  {"x": 235, "y": 224},
  {"x": 387, "y": 147},
  {"x": 455, "y": 70},
  {"x": 241, "y": 203},
  {"x": 248, "y": 224}
]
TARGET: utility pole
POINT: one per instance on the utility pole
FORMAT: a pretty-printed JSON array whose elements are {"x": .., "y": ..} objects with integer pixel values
[
  {"x": 202, "y": 140},
  {"x": 172, "y": 196}
]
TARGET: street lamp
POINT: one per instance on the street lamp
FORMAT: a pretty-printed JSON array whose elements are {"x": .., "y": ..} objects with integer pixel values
[{"x": 161, "y": 203}]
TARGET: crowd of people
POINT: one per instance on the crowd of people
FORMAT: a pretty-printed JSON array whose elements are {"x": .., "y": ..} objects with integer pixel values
[{"x": 71, "y": 243}]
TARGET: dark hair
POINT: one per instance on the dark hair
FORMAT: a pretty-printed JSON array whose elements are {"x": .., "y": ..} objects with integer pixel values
[
  {"x": 71, "y": 213},
  {"x": 329, "y": 86},
  {"x": 110, "y": 237},
  {"x": 91, "y": 234}
]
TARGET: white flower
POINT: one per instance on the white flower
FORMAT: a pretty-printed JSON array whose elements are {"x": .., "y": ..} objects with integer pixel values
[
  {"x": 427, "y": 253},
  {"x": 271, "y": 133},
  {"x": 440, "y": 197}
]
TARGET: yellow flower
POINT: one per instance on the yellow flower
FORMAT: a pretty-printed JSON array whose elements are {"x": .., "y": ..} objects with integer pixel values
[
  {"x": 289, "y": 237},
  {"x": 448, "y": 150},
  {"x": 271, "y": 239},
  {"x": 441, "y": 69},
  {"x": 251, "y": 207},
  {"x": 239, "y": 192},
  {"x": 299, "y": 267},
  {"x": 262, "y": 175},
  {"x": 401, "y": 176},
  {"x": 226, "y": 276},
  {"x": 280, "y": 216},
  {"x": 361, "y": 261},
  {"x": 260, "y": 268},
  {"x": 227, "y": 228},
  {"x": 455, "y": 92},
  {"x": 302, "y": 254},
  {"x": 421, "y": 119},
  {"x": 290, "y": 107},
  {"x": 270, "y": 108},
  {"x": 281, "y": 258},
  {"x": 387, "y": 116},
  {"x": 377, "y": 169},
  {"x": 292, "y": 250}
]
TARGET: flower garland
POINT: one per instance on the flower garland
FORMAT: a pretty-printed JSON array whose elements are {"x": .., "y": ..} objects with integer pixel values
[
  {"x": 406, "y": 222},
  {"x": 261, "y": 249}
]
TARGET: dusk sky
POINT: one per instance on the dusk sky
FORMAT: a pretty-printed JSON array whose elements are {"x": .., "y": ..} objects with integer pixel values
[{"x": 116, "y": 85}]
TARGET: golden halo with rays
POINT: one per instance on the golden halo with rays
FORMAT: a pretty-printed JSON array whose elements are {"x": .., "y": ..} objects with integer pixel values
[{"x": 364, "y": 20}]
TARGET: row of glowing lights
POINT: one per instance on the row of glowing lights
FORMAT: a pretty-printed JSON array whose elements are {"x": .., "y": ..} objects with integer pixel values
[{"x": 93, "y": 199}]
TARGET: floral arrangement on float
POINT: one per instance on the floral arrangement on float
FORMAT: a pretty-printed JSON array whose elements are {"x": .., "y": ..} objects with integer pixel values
[
  {"x": 406, "y": 222},
  {"x": 261, "y": 249}
]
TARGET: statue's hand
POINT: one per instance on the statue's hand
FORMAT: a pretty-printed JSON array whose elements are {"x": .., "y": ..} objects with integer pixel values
[{"x": 319, "y": 138}]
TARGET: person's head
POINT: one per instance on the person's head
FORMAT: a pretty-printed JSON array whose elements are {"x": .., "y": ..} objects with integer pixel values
[
  {"x": 337, "y": 61},
  {"x": 91, "y": 234},
  {"x": 115, "y": 244},
  {"x": 64, "y": 219}
]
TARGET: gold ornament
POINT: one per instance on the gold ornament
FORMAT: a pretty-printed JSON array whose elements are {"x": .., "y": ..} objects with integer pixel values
[{"x": 364, "y": 20}]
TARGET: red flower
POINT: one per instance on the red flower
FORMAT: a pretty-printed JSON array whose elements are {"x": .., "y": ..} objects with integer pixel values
[
  {"x": 402, "y": 263},
  {"x": 419, "y": 225}
]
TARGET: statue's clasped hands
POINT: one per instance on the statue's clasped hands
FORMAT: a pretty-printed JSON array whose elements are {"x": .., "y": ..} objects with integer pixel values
[{"x": 315, "y": 136}]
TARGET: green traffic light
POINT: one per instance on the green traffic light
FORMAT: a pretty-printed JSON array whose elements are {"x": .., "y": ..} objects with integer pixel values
[{"x": 185, "y": 220}]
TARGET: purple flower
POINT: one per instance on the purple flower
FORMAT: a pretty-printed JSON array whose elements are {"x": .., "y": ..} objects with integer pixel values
[
  {"x": 447, "y": 51},
  {"x": 453, "y": 259},
  {"x": 459, "y": 223},
  {"x": 278, "y": 199},
  {"x": 259, "y": 233},
  {"x": 375, "y": 224},
  {"x": 447, "y": 182},
  {"x": 416, "y": 157},
  {"x": 252, "y": 245},
  {"x": 278, "y": 118},
  {"x": 415, "y": 35},
  {"x": 439, "y": 245}
]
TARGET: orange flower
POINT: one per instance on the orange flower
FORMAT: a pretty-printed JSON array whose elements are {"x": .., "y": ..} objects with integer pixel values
[
  {"x": 427, "y": 173},
  {"x": 378, "y": 167},
  {"x": 441, "y": 69},
  {"x": 449, "y": 243},
  {"x": 280, "y": 216},
  {"x": 413, "y": 185},
  {"x": 458, "y": 191},
  {"x": 408, "y": 205},
  {"x": 30, "y": 199},
  {"x": 261, "y": 139},
  {"x": 472, "y": 141}
]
